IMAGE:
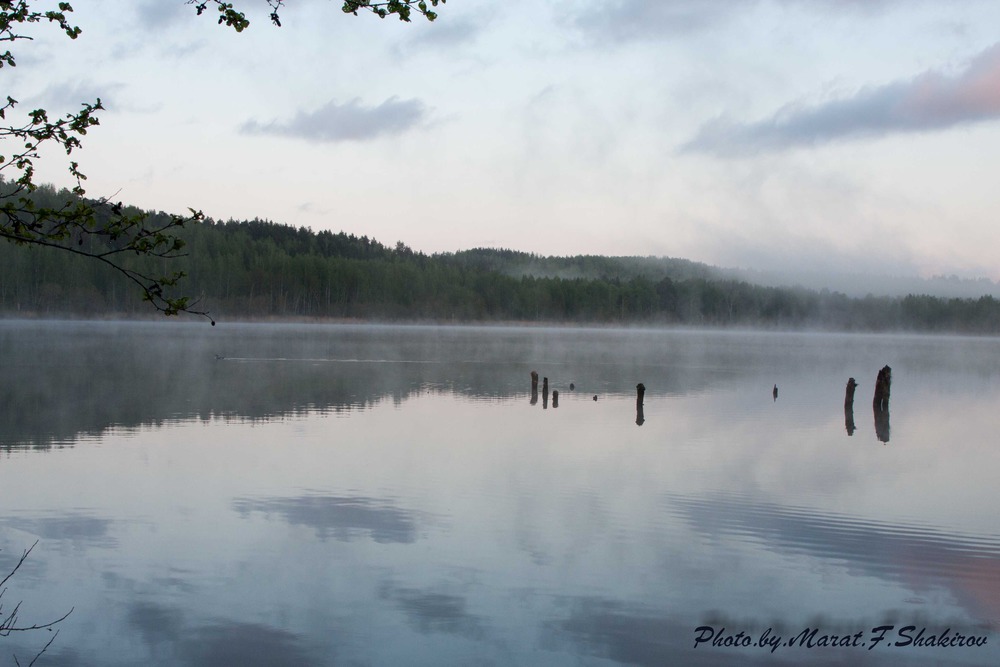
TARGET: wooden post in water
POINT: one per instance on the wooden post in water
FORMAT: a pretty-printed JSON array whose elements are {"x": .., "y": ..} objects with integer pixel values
[
  {"x": 534, "y": 387},
  {"x": 849, "y": 406},
  {"x": 545, "y": 392},
  {"x": 555, "y": 398},
  {"x": 880, "y": 403},
  {"x": 882, "y": 384},
  {"x": 640, "y": 392},
  {"x": 849, "y": 395}
]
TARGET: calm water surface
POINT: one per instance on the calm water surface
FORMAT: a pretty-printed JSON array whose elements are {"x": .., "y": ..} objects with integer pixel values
[{"x": 394, "y": 496}]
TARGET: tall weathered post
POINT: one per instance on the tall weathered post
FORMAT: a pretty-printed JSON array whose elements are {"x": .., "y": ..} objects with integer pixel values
[
  {"x": 555, "y": 398},
  {"x": 880, "y": 403},
  {"x": 534, "y": 387},
  {"x": 640, "y": 392},
  {"x": 882, "y": 385},
  {"x": 545, "y": 392}
]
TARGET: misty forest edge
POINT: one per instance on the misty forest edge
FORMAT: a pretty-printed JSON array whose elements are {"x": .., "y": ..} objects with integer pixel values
[{"x": 261, "y": 269}]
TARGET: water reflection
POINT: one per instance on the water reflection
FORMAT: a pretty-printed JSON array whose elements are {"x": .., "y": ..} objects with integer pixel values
[
  {"x": 625, "y": 634},
  {"x": 92, "y": 377},
  {"x": 344, "y": 518},
  {"x": 881, "y": 423},
  {"x": 156, "y": 624},
  {"x": 366, "y": 495},
  {"x": 72, "y": 527},
  {"x": 250, "y": 644},
  {"x": 431, "y": 611},
  {"x": 915, "y": 556}
]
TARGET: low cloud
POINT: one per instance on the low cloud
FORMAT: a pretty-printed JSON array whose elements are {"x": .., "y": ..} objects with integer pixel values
[
  {"x": 70, "y": 96},
  {"x": 447, "y": 35},
  {"x": 636, "y": 20},
  {"x": 352, "y": 121},
  {"x": 626, "y": 21},
  {"x": 157, "y": 14},
  {"x": 929, "y": 102}
]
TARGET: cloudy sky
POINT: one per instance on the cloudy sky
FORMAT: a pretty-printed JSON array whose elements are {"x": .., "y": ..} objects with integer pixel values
[{"x": 851, "y": 135}]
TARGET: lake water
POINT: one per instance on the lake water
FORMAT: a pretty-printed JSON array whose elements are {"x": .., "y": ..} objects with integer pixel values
[{"x": 359, "y": 495}]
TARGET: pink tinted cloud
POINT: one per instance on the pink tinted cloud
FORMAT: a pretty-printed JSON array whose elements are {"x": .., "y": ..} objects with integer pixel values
[
  {"x": 972, "y": 95},
  {"x": 928, "y": 102}
]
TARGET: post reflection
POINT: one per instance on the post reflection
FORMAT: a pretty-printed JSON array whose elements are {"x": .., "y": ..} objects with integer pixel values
[{"x": 882, "y": 424}]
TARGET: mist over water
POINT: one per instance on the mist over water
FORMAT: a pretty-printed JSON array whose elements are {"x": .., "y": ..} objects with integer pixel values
[{"x": 292, "y": 494}]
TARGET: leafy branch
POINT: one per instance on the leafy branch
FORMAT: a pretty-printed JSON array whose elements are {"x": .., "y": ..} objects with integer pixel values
[
  {"x": 13, "y": 13},
  {"x": 106, "y": 232},
  {"x": 403, "y": 9}
]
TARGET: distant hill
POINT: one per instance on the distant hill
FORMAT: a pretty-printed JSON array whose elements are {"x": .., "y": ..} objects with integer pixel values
[
  {"x": 588, "y": 267},
  {"x": 859, "y": 285},
  {"x": 515, "y": 263}
]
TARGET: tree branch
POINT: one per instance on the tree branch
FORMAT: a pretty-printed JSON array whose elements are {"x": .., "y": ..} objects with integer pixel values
[
  {"x": 8, "y": 622},
  {"x": 403, "y": 9}
]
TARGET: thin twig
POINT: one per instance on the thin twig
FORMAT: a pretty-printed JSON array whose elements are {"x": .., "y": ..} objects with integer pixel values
[{"x": 24, "y": 557}]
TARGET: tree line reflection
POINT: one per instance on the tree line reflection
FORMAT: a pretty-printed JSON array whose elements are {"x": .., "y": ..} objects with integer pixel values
[{"x": 71, "y": 382}]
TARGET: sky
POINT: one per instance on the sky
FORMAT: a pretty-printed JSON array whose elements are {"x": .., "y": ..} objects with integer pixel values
[{"x": 858, "y": 136}]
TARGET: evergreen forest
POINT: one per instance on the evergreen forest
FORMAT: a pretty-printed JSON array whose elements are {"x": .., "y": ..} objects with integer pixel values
[{"x": 257, "y": 269}]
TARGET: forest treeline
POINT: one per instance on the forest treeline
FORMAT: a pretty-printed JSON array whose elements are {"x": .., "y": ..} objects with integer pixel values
[{"x": 261, "y": 269}]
